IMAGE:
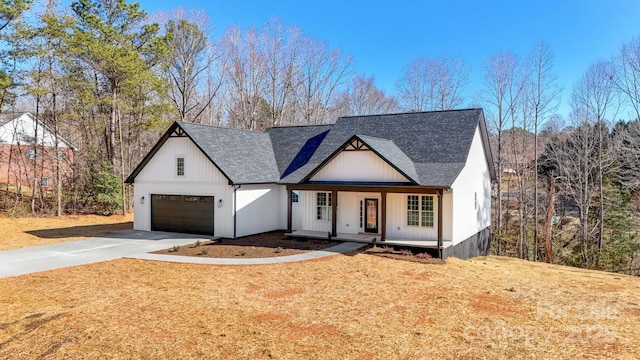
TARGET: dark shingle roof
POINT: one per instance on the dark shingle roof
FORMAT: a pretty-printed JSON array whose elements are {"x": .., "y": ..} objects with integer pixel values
[
  {"x": 243, "y": 156},
  {"x": 393, "y": 154},
  {"x": 437, "y": 142},
  {"x": 430, "y": 148},
  {"x": 295, "y": 143}
]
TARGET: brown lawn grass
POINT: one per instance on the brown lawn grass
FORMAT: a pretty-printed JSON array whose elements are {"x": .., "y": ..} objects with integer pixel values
[
  {"x": 343, "y": 307},
  {"x": 25, "y": 232}
]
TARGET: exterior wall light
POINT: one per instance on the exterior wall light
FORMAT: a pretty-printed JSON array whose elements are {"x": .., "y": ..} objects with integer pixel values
[
  {"x": 142, "y": 200},
  {"x": 219, "y": 203}
]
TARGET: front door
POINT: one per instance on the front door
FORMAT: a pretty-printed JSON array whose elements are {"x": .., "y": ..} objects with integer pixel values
[{"x": 371, "y": 215}]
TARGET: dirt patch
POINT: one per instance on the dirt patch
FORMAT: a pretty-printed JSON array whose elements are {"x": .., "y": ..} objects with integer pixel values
[
  {"x": 492, "y": 304},
  {"x": 30, "y": 231},
  {"x": 271, "y": 244}
]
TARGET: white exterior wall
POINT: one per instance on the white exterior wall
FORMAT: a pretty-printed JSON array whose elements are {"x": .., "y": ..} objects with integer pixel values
[
  {"x": 348, "y": 220},
  {"x": 397, "y": 219},
  {"x": 358, "y": 166},
  {"x": 473, "y": 183},
  {"x": 201, "y": 178},
  {"x": 23, "y": 130},
  {"x": 259, "y": 208},
  {"x": 307, "y": 213},
  {"x": 447, "y": 217}
]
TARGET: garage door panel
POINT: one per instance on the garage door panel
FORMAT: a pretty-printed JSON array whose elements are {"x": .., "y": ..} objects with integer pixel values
[{"x": 182, "y": 213}]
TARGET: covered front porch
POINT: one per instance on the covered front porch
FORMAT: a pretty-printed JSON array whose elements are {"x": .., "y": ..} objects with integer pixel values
[{"x": 362, "y": 212}]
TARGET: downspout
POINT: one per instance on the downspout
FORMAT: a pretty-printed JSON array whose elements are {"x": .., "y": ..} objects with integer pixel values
[
  {"x": 235, "y": 208},
  {"x": 440, "y": 222}
]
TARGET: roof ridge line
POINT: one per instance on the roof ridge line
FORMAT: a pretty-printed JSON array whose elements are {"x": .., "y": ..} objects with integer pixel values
[{"x": 406, "y": 113}]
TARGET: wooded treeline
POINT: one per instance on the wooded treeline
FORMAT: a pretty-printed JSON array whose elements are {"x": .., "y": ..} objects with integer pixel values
[{"x": 111, "y": 78}]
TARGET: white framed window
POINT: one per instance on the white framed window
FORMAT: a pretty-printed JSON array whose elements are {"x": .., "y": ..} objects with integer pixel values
[
  {"x": 45, "y": 181},
  {"x": 180, "y": 166},
  {"x": 294, "y": 197},
  {"x": 420, "y": 210},
  {"x": 323, "y": 206}
]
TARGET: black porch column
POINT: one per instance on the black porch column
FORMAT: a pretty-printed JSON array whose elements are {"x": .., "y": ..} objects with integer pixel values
[
  {"x": 289, "y": 208},
  {"x": 383, "y": 216},
  {"x": 440, "y": 223},
  {"x": 334, "y": 212}
]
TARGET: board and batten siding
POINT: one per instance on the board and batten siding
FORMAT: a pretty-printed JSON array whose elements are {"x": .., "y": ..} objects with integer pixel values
[
  {"x": 308, "y": 215},
  {"x": 397, "y": 220},
  {"x": 260, "y": 208},
  {"x": 358, "y": 166},
  {"x": 348, "y": 220},
  {"x": 200, "y": 178},
  {"x": 472, "y": 194}
]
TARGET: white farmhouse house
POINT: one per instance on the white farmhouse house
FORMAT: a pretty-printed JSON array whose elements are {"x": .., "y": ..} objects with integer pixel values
[{"x": 420, "y": 179}]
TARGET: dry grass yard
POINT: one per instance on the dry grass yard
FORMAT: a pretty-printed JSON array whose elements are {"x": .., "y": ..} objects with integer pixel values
[
  {"x": 25, "y": 232},
  {"x": 356, "y": 306}
]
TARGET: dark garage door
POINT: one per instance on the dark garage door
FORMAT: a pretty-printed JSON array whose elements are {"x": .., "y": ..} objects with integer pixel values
[{"x": 182, "y": 213}]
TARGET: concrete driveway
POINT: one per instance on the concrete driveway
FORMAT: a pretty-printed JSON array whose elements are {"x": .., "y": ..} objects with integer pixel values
[{"x": 127, "y": 243}]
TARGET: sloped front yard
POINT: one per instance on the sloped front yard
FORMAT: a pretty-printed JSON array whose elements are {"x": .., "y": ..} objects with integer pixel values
[
  {"x": 26, "y": 232},
  {"x": 355, "y": 306}
]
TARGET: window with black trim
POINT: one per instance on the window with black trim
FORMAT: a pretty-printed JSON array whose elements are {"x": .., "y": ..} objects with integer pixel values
[
  {"x": 45, "y": 181},
  {"x": 180, "y": 166},
  {"x": 323, "y": 206},
  {"x": 294, "y": 197},
  {"x": 420, "y": 210}
]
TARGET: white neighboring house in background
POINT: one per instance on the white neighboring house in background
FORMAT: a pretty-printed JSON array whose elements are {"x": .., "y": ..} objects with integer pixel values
[{"x": 28, "y": 148}]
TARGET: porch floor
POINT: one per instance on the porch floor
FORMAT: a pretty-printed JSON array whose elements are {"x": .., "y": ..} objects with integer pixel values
[{"x": 366, "y": 238}]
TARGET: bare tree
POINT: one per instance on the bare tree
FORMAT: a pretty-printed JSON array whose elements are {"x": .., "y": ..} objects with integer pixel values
[
  {"x": 626, "y": 78},
  {"x": 503, "y": 85},
  {"x": 593, "y": 100},
  {"x": 362, "y": 97},
  {"x": 192, "y": 55},
  {"x": 433, "y": 84},
  {"x": 245, "y": 76},
  {"x": 281, "y": 47},
  {"x": 320, "y": 74},
  {"x": 543, "y": 95}
]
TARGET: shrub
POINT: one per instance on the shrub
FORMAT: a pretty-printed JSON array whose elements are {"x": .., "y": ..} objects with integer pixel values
[
  {"x": 423, "y": 255},
  {"x": 406, "y": 252},
  {"x": 373, "y": 242},
  {"x": 387, "y": 249},
  {"x": 175, "y": 248},
  {"x": 243, "y": 253},
  {"x": 198, "y": 242},
  {"x": 278, "y": 250},
  {"x": 204, "y": 252},
  {"x": 107, "y": 195}
]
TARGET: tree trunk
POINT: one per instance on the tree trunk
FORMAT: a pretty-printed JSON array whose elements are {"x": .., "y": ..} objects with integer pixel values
[
  {"x": 35, "y": 159},
  {"x": 549, "y": 219},
  {"x": 113, "y": 123},
  {"x": 535, "y": 186}
]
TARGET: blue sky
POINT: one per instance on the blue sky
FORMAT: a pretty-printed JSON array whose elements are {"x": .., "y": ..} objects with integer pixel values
[{"x": 382, "y": 36}]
